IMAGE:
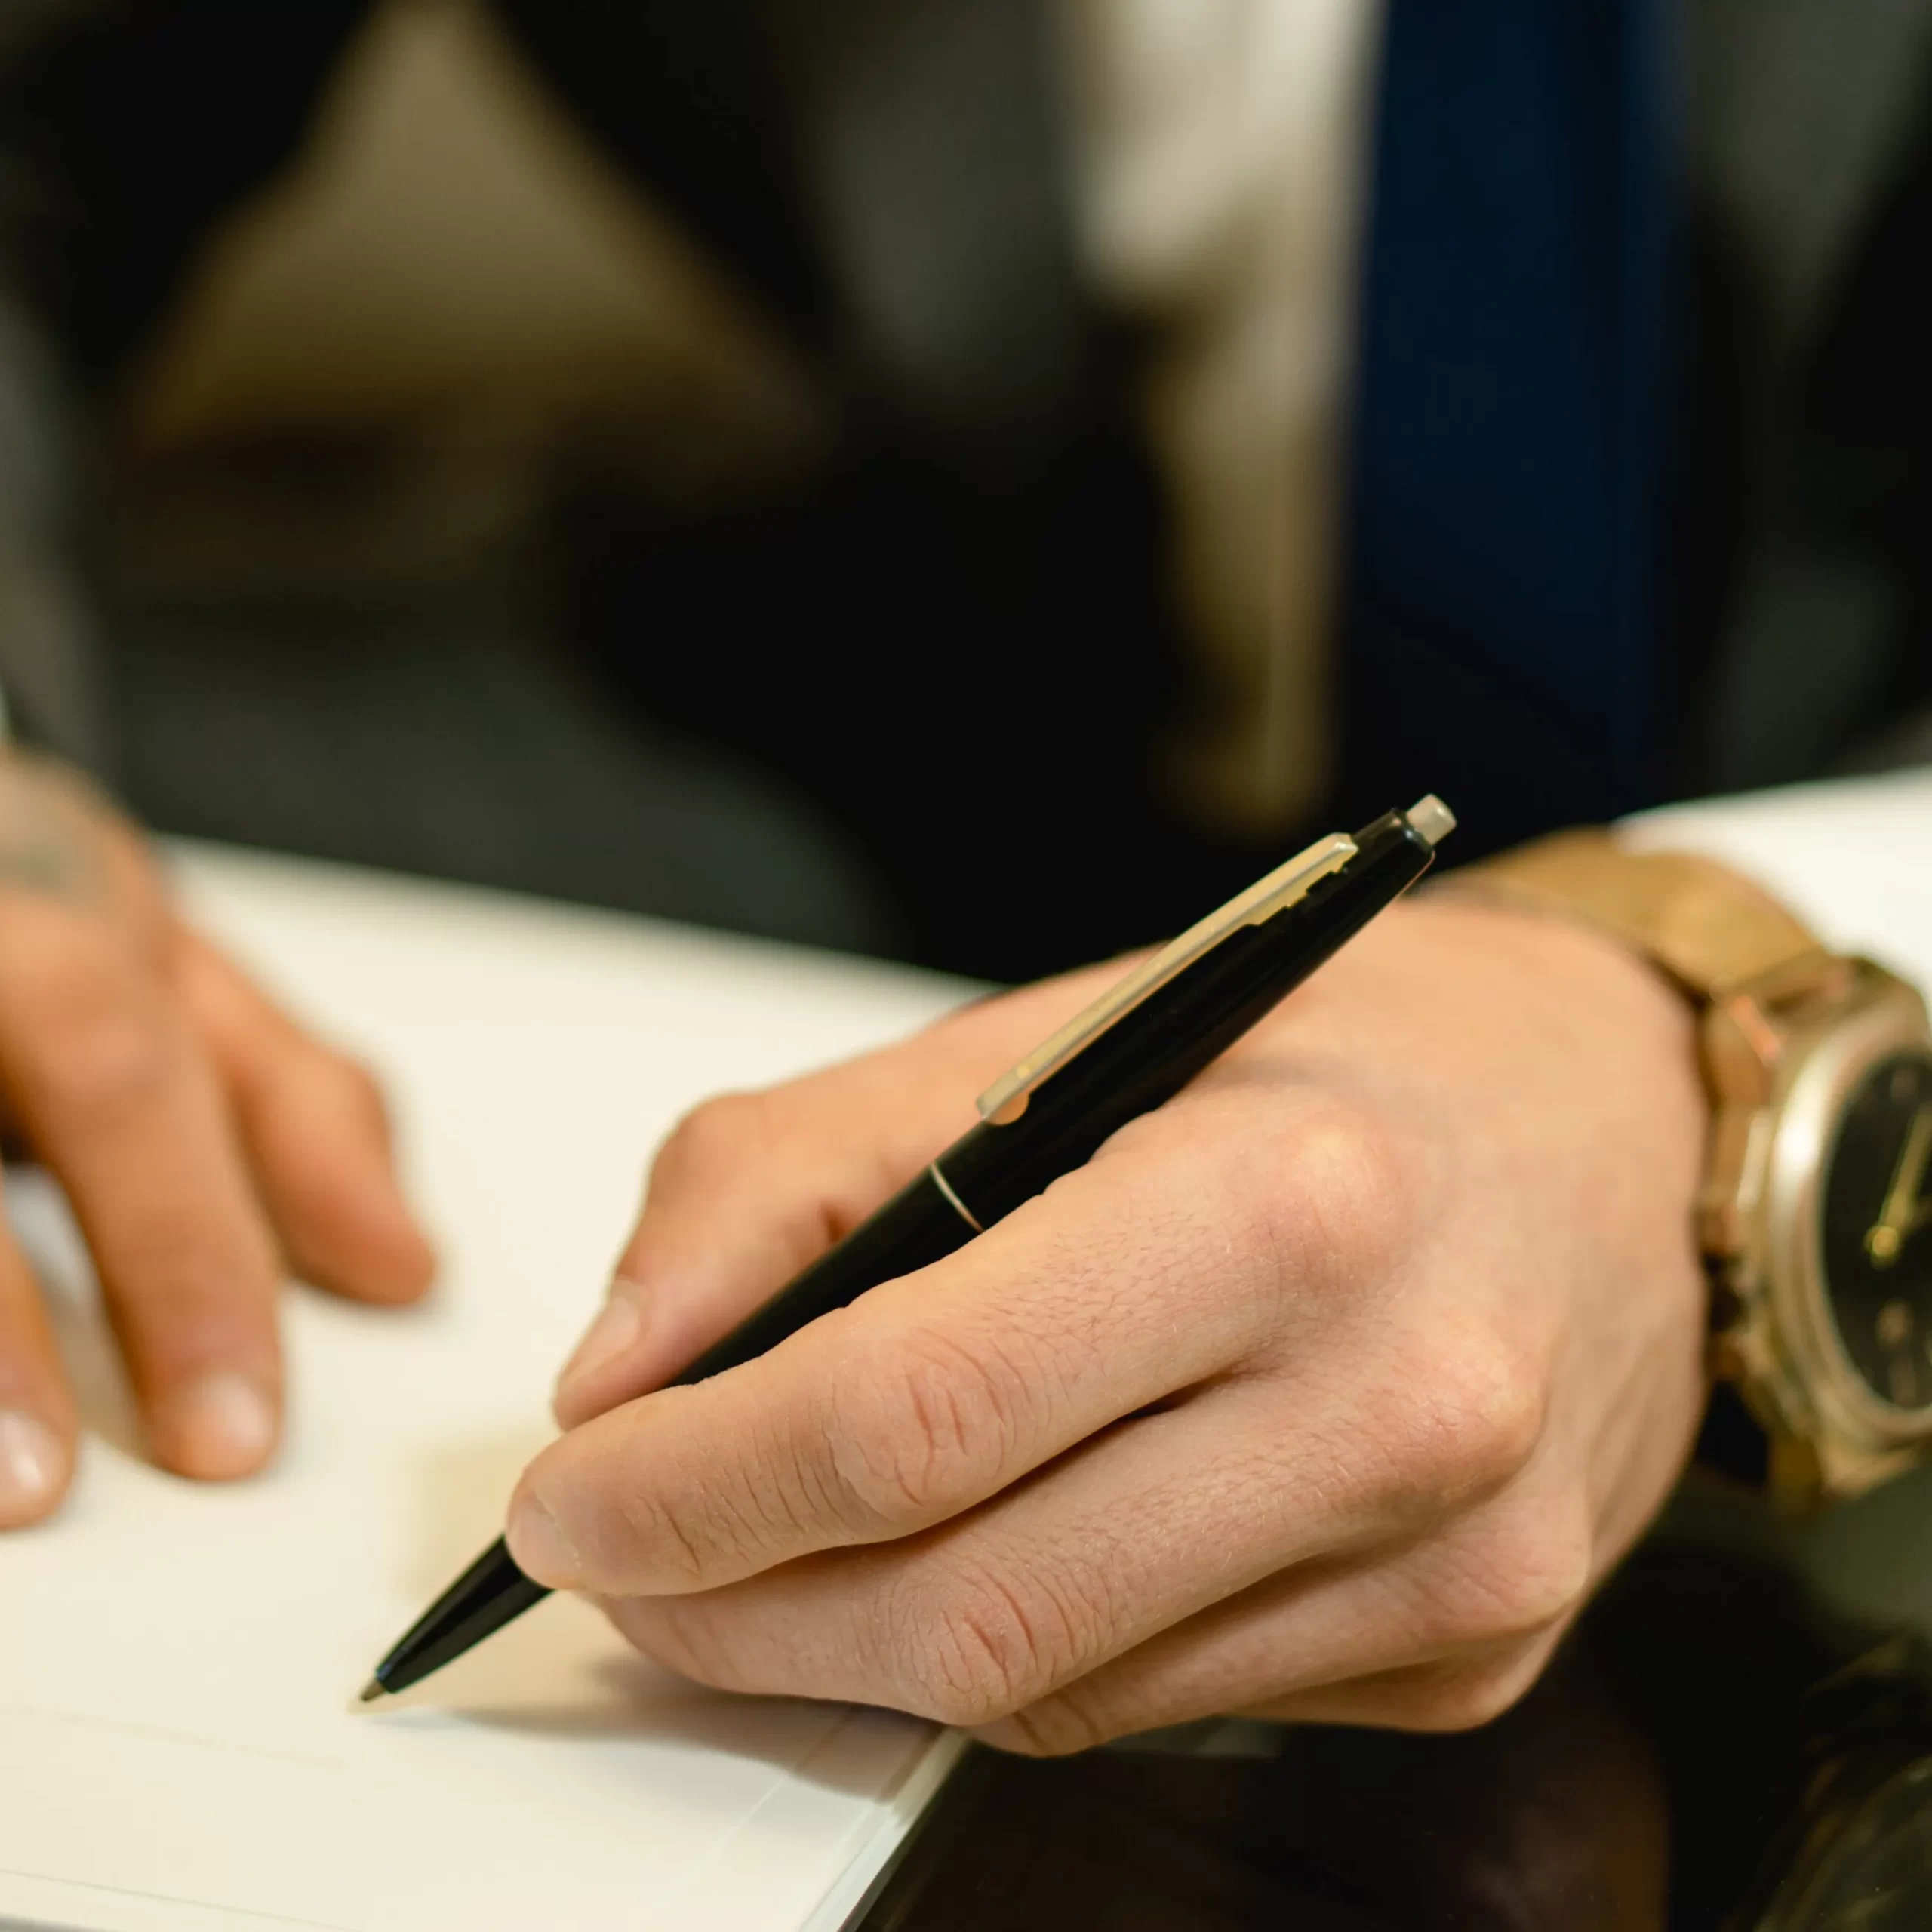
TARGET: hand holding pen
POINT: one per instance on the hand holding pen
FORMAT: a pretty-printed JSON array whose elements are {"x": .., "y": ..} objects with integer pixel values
[{"x": 1317, "y": 1390}]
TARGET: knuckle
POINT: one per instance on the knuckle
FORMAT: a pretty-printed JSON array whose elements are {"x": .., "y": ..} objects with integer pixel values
[
  {"x": 678, "y": 1633},
  {"x": 716, "y": 1136},
  {"x": 916, "y": 1428},
  {"x": 782, "y": 1494},
  {"x": 779, "y": 1496},
  {"x": 983, "y": 1650},
  {"x": 98, "y": 1057},
  {"x": 1471, "y": 1418},
  {"x": 1057, "y": 1726},
  {"x": 182, "y": 1308},
  {"x": 680, "y": 1548},
  {"x": 180, "y": 1269},
  {"x": 1467, "y": 1696},
  {"x": 1535, "y": 1570},
  {"x": 1330, "y": 1205}
]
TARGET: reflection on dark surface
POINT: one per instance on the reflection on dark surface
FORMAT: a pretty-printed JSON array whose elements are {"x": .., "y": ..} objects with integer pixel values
[
  {"x": 1709, "y": 1753},
  {"x": 1855, "y": 1853}
]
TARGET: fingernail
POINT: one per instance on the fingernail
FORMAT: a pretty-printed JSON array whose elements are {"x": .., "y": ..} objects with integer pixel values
[
  {"x": 217, "y": 1427},
  {"x": 32, "y": 1462},
  {"x": 539, "y": 1546},
  {"x": 614, "y": 1331}
]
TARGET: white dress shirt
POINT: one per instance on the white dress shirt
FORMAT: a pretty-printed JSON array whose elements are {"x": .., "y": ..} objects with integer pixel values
[{"x": 1222, "y": 151}]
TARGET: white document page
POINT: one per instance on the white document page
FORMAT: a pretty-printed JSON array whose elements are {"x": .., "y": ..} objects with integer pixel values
[{"x": 175, "y": 1661}]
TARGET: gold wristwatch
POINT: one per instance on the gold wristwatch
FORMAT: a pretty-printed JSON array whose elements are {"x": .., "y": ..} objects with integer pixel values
[{"x": 1815, "y": 1214}]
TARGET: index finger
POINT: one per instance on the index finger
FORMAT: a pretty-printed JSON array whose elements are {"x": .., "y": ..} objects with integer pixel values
[
  {"x": 119, "y": 1103},
  {"x": 932, "y": 1393},
  {"x": 753, "y": 1186}
]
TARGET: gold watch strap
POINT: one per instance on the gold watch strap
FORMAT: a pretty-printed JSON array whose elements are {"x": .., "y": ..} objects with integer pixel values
[{"x": 1710, "y": 930}]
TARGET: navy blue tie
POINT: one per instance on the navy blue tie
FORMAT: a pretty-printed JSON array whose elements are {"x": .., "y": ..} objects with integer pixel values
[{"x": 1501, "y": 621}]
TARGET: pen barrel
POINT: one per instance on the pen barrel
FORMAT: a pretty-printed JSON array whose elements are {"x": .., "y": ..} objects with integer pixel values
[
  {"x": 1141, "y": 1061},
  {"x": 918, "y": 1225},
  {"x": 1131, "y": 1069}
]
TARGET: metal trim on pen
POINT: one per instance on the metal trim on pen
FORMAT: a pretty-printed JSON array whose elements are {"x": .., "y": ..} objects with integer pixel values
[
  {"x": 958, "y": 1207},
  {"x": 1263, "y": 900}
]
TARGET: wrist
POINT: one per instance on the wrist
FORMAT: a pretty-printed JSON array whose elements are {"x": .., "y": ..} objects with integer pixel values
[
  {"x": 1810, "y": 1216},
  {"x": 1630, "y": 1024}
]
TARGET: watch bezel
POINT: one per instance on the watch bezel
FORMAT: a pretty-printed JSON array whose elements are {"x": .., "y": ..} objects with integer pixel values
[{"x": 1823, "y": 1073}]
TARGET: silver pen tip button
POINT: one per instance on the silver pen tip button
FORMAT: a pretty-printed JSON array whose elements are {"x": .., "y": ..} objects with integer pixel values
[{"x": 1431, "y": 819}]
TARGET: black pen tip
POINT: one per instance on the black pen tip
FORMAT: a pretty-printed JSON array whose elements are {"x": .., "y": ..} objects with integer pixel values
[{"x": 373, "y": 1692}]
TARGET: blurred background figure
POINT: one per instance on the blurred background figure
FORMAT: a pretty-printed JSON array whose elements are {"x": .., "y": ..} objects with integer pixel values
[{"x": 975, "y": 479}]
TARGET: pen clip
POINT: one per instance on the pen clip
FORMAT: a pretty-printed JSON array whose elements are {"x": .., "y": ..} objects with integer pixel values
[{"x": 1004, "y": 1099}]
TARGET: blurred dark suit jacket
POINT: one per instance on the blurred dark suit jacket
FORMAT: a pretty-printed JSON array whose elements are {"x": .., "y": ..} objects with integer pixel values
[{"x": 888, "y": 178}]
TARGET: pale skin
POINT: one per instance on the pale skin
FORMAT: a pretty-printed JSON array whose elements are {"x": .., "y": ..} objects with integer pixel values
[
  {"x": 1328, "y": 1392},
  {"x": 208, "y": 1144}
]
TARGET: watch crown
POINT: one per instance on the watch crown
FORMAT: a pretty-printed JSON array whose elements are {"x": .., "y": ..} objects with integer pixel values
[
  {"x": 1741, "y": 1050},
  {"x": 1732, "y": 1173}
]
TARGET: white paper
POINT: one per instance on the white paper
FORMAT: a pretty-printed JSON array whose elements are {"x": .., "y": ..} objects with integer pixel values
[{"x": 175, "y": 1661}]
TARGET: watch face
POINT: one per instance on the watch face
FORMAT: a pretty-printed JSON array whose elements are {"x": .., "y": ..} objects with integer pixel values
[{"x": 1878, "y": 1230}]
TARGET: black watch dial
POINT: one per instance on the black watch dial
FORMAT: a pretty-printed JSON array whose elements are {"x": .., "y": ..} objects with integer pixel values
[{"x": 1878, "y": 1230}]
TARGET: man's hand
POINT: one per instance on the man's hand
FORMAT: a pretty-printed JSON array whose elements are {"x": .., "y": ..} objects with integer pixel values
[
  {"x": 1327, "y": 1391},
  {"x": 204, "y": 1141}
]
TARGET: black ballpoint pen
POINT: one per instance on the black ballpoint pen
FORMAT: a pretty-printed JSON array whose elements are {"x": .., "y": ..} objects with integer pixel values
[{"x": 1134, "y": 1048}]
